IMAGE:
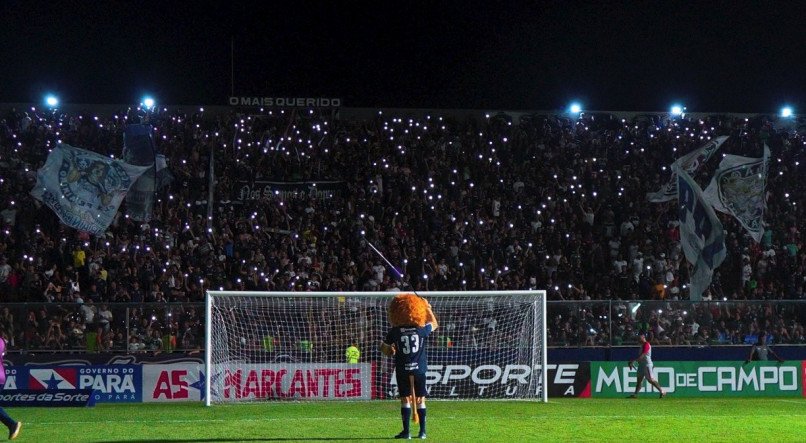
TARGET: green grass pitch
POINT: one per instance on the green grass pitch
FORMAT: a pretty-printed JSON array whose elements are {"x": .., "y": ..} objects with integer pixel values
[{"x": 645, "y": 419}]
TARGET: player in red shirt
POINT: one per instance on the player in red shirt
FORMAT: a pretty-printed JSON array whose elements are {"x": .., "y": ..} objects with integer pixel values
[{"x": 644, "y": 360}]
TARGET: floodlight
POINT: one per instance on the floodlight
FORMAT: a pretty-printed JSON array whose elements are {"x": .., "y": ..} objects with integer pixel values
[
  {"x": 786, "y": 112},
  {"x": 677, "y": 110},
  {"x": 148, "y": 102},
  {"x": 51, "y": 101},
  {"x": 575, "y": 108}
]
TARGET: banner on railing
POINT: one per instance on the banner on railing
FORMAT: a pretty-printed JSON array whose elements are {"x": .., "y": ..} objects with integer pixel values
[
  {"x": 173, "y": 382},
  {"x": 286, "y": 102},
  {"x": 247, "y": 191},
  {"x": 109, "y": 384},
  {"x": 702, "y": 379},
  {"x": 462, "y": 381},
  {"x": 326, "y": 381},
  {"x": 59, "y": 398}
]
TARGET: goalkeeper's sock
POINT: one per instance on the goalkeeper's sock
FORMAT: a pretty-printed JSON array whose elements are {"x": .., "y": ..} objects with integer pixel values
[
  {"x": 5, "y": 419},
  {"x": 421, "y": 413},
  {"x": 405, "y": 413}
]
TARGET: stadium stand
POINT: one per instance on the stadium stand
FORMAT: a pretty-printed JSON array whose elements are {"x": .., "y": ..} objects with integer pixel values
[{"x": 489, "y": 202}]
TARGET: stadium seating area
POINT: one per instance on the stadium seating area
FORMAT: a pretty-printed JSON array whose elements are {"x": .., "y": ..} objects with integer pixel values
[{"x": 540, "y": 202}]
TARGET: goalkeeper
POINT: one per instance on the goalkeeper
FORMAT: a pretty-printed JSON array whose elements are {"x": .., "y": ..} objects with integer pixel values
[
  {"x": 412, "y": 321},
  {"x": 644, "y": 360}
]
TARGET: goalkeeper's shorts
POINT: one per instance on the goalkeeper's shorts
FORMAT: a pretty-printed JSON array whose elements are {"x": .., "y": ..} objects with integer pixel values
[
  {"x": 645, "y": 370},
  {"x": 404, "y": 386}
]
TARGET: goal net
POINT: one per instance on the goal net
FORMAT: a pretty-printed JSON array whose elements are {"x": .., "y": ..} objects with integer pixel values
[{"x": 293, "y": 346}]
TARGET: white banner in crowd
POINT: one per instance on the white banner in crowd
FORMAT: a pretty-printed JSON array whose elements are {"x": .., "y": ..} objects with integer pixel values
[
  {"x": 689, "y": 163},
  {"x": 84, "y": 188},
  {"x": 738, "y": 189},
  {"x": 701, "y": 234}
]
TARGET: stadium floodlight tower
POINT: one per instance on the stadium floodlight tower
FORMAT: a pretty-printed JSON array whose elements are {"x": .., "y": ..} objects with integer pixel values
[
  {"x": 51, "y": 100},
  {"x": 148, "y": 102},
  {"x": 678, "y": 110},
  {"x": 787, "y": 112},
  {"x": 575, "y": 108}
]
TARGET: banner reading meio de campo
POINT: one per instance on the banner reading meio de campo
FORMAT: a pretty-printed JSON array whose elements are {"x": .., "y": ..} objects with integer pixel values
[{"x": 703, "y": 379}]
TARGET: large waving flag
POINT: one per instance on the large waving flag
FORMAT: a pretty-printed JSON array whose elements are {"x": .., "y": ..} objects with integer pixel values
[
  {"x": 689, "y": 163},
  {"x": 701, "y": 234},
  {"x": 138, "y": 149},
  {"x": 738, "y": 189},
  {"x": 84, "y": 188}
]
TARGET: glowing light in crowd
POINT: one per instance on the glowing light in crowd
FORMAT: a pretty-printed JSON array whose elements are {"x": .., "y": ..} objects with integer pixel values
[
  {"x": 786, "y": 112},
  {"x": 678, "y": 110},
  {"x": 51, "y": 100},
  {"x": 575, "y": 108},
  {"x": 148, "y": 102}
]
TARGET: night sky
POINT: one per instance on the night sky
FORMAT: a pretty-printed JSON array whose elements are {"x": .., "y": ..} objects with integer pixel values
[{"x": 642, "y": 56}]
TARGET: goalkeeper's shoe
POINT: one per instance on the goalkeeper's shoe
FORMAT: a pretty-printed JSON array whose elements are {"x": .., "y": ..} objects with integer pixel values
[
  {"x": 15, "y": 432},
  {"x": 662, "y": 394},
  {"x": 421, "y": 435},
  {"x": 403, "y": 435}
]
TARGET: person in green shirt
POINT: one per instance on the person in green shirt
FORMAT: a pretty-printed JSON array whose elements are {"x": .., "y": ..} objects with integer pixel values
[{"x": 353, "y": 354}]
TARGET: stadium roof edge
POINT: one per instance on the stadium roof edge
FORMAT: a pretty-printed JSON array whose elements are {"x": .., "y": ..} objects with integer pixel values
[{"x": 358, "y": 112}]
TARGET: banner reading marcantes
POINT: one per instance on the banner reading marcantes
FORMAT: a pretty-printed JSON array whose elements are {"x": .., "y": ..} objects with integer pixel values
[{"x": 332, "y": 381}]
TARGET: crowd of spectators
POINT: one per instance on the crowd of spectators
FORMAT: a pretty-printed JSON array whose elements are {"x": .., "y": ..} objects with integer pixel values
[{"x": 491, "y": 202}]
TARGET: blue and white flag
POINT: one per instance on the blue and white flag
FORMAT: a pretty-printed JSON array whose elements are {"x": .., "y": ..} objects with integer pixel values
[
  {"x": 738, "y": 188},
  {"x": 138, "y": 149},
  {"x": 689, "y": 163},
  {"x": 84, "y": 188},
  {"x": 701, "y": 234}
]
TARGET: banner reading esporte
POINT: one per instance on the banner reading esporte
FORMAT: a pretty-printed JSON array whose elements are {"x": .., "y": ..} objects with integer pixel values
[
  {"x": 461, "y": 381},
  {"x": 702, "y": 379}
]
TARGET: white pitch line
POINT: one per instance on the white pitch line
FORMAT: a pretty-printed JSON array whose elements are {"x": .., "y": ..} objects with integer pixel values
[{"x": 386, "y": 418}]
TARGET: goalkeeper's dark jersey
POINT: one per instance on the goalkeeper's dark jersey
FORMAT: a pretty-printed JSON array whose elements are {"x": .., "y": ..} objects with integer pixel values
[{"x": 410, "y": 345}]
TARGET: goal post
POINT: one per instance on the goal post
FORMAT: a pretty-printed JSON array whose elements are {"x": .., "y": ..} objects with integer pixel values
[{"x": 267, "y": 346}]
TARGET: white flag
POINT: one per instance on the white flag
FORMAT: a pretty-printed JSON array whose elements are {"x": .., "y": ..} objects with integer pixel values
[
  {"x": 738, "y": 188},
  {"x": 701, "y": 234},
  {"x": 689, "y": 163},
  {"x": 84, "y": 188}
]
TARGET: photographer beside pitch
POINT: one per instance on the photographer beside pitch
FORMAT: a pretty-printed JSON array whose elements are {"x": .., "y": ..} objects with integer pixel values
[
  {"x": 412, "y": 321},
  {"x": 12, "y": 425},
  {"x": 644, "y": 360}
]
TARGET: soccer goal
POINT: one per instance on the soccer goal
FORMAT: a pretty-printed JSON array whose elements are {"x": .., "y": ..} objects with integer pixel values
[{"x": 293, "y": 346}]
